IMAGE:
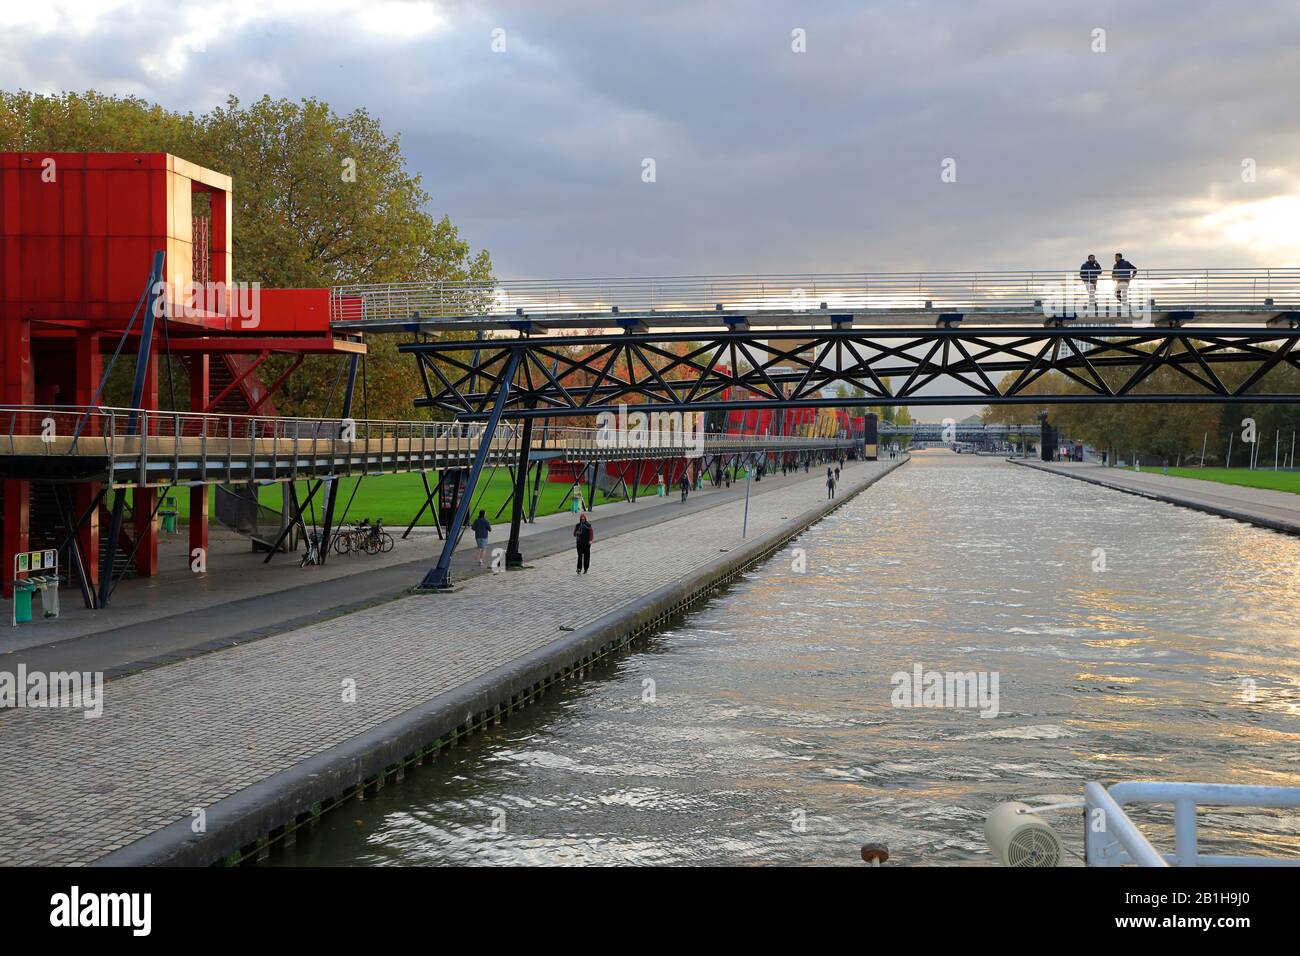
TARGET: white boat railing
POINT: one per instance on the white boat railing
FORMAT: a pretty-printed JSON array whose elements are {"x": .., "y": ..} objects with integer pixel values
[{"x": 1113, "y": 839}]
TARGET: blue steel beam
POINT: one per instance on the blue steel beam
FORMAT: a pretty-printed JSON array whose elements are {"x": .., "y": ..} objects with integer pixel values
[{"x": 439, "y": 577}]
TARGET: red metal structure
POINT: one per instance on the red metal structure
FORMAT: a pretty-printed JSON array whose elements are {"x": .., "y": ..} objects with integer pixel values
[{"x": 78, "y": 233}]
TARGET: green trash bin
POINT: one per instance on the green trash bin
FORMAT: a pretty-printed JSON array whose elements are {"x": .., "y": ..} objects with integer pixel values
[
  {"x": 22, "y": 603},
  {"x": 168, "y": 512}
]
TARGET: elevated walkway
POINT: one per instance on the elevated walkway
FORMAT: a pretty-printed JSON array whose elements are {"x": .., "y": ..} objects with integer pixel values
[
  {"x": 1171, "y": 297},
  {"x": 77, "y": 444}
]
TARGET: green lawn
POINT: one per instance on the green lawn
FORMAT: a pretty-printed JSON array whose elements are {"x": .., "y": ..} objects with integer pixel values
[
  {"x": 1259, "y": 478},
  {"x": 396, "y": 498}
]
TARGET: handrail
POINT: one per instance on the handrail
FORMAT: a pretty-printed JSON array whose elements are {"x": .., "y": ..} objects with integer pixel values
[
  {"x": 1179, "y": 289},
  {"x": 1112, "y": 839},
  {"x": 106, "y": 428}
]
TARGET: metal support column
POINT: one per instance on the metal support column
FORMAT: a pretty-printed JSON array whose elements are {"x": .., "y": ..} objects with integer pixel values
[
  {"x": 514, "y": 559},
  {"x": 152, "y": 295},
  {"x": 439, "y": 576},
  {"x": 327, "y": 519}
]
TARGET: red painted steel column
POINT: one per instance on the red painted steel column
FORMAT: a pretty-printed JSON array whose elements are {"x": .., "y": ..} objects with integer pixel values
[
  {"x": 144, "y": 499},
  {"x": 16, "y": 388},
  {"x": 198, "y": 369}
]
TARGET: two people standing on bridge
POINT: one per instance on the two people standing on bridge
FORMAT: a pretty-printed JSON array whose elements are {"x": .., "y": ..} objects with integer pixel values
[{"x": 1122, "y": 272}]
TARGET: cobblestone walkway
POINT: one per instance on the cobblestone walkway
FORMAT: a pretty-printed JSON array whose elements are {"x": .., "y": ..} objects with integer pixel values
[{"x": 186, "y": 735}]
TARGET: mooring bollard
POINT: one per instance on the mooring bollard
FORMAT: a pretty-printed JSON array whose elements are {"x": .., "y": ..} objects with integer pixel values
[{"x": 874, "y": 853}]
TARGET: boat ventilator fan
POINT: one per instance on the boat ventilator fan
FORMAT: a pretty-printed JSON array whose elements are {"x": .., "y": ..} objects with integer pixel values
[{"x": 1019, "y": 837}]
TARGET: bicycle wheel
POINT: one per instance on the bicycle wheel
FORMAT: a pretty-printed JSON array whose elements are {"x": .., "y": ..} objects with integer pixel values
[
  {"x": 386, "y": 542},
  {"x": 372, "y": 544},
  {"x": 341, "y": 545}
]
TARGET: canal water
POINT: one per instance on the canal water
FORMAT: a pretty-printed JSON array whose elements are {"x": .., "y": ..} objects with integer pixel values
[{"x": 762, "y": 727}]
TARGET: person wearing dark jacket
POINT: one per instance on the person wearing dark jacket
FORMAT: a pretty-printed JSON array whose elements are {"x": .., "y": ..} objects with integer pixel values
[
  {"x": 686, "y": 486},
  {"x": 1090, "y": 272},
  {"x": 482, "y": 528},
  {"x": 1122, "y": 272},
  {"x": 583, "y": 535}
]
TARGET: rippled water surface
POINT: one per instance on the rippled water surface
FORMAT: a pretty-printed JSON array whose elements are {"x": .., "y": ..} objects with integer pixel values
[{"x": 771, "y": 737}]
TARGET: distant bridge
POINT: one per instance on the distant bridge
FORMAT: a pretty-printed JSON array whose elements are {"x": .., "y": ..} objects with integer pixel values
[{"x": 957, "y": 431}]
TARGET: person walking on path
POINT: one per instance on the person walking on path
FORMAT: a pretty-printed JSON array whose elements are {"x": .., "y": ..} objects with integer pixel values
[
  {"x": 686, "y": 486},
  {"x": 837, "y": 472},
  {"x": 830, "y": 484},
  {"x": 482, "y": 528},
  {"x": 583, "y": 535},
  {"x": 1123, "y": 273},
  {"x": 1090, "y": 272}
]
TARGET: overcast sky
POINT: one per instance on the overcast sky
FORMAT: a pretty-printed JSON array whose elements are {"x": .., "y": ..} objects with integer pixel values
[{"x": 766, "y": 159}]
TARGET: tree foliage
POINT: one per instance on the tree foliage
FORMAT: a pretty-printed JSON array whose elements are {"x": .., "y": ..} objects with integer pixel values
[{"x": 1168, "y": 431}]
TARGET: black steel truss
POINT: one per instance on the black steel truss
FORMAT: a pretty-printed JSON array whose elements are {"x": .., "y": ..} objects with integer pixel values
[{"x": 576, "y": 375}]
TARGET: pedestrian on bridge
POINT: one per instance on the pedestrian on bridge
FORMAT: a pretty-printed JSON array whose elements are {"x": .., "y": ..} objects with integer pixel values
[
  {"x": 1090, "y": 272},
  {"x": 583, "y": 535},
  {"x": 830, "y": 484},
  {"x": 1123, "y": 273},
  {"x": 482, "y": 528},
  {"x": 686, "y": 485}
]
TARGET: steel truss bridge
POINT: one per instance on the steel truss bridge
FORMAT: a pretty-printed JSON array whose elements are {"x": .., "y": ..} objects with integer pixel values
[
  {"x": 546, "y": 349},
  {"x": 541, "y": 349}
]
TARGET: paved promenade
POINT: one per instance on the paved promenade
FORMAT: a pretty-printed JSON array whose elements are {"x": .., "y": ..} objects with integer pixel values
[
  {"x": 177, "y": 614},
  {"x": 1279, "y": 510},
  {"x": 179, "y": 738}
]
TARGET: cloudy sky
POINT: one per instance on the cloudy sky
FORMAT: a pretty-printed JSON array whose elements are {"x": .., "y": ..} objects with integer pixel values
[
  {"x": 766, "y": 159},
  {"x": 786, "y": 137}
]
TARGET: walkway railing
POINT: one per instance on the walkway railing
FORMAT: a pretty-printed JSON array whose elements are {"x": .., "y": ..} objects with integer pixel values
[
  {"x": 1172, "y": 289},
  {"x": 141, "y": 447},
  {"x": 110, "y": 432},
  {"x": 193, "y": 446},
  {"x": 1113, "y": 839},
  {"x": 581, "y": 444}
]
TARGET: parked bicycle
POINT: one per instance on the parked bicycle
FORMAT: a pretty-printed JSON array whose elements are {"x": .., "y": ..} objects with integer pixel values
[
  {"x": 364, "y": 536},
  {"x": 348, "y": 539},
  {"x": 311, "y": 553},
  {"x": 377, "y": 540}
]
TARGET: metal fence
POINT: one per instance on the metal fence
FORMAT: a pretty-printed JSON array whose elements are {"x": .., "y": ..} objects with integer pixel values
[
  {"x": 173, "y": 442},
  {"x": 139, "y": 447},
  {"x": 1172, "y": 289}
]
